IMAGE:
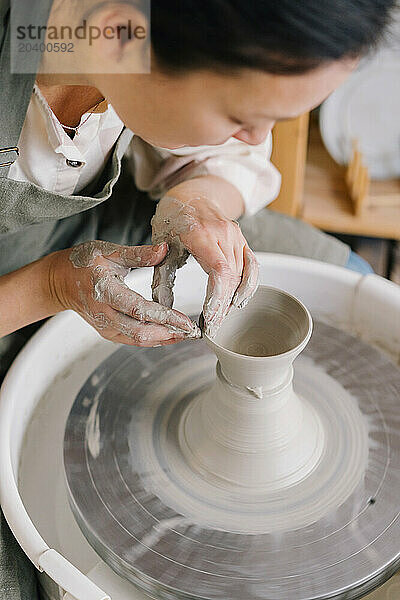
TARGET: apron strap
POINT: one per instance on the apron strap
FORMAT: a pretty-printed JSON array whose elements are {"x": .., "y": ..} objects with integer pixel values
[{"x": 15, "y": 88}]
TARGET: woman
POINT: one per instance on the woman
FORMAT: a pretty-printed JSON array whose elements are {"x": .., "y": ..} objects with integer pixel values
[{"x": 222, "y": 73}]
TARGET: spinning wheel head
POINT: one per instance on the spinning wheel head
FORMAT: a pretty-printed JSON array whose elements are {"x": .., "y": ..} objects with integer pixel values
[{"x": 179, "y": 526}]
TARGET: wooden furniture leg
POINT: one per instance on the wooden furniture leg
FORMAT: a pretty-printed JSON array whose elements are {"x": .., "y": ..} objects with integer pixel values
[{"x": 289, "y": 155}]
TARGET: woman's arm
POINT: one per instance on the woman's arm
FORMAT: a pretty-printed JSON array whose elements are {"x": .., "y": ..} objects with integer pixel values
[
  {"x": 26, "y": 297},
  {"x": 246, "y": 167},
  {"x": 89, "y": 279},
  {"x": 219, "y": 192}
]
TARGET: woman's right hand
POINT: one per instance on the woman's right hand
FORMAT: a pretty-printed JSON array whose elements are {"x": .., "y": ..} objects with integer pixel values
[{"x": 89, "y": 279}]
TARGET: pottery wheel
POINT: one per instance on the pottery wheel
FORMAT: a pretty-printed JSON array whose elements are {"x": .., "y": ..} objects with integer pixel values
[{"x": 178, "y": 535}]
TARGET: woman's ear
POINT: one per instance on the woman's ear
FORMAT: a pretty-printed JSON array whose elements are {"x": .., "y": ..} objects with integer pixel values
[{"x": 119, "y": 39}]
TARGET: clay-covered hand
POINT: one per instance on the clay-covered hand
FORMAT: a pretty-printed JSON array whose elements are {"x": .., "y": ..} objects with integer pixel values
[
  {"x": 89, "y": 279},
  {"x": 200, "y": 228}
]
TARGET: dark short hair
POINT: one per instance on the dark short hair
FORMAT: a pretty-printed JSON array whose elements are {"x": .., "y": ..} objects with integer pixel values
[{"x": 277, "y": 36}]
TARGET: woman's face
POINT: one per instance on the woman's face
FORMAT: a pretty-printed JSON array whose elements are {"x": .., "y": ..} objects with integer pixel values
[{"x": 206, "y": 108}]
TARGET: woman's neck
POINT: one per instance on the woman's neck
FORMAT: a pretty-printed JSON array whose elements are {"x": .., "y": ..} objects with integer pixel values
[{"x": 70, "y": 102}]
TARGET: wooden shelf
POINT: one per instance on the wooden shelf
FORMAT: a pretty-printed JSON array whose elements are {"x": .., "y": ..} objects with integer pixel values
[{"x": 327, "y": 205}]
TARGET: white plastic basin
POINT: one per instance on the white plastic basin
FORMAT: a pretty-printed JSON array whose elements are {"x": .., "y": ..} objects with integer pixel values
[{"x": 41, "y": 386}]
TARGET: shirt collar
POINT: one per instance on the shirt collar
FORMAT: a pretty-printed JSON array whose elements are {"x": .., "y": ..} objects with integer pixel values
[{"x": 72, "y": 149}]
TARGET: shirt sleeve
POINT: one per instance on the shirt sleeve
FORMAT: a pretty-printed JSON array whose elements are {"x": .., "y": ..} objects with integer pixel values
[{"x": 247, "y": 167}]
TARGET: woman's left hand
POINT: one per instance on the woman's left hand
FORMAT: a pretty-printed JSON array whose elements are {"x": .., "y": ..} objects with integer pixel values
[{"x": 199, "y": 227}]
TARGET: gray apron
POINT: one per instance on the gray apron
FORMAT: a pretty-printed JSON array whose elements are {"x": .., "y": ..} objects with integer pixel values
[{"x": 35, "y": 222}]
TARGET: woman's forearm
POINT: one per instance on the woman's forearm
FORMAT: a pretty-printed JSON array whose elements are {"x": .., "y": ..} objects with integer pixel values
[
  {"x": 26, "y": 296},
  {"x": 215, "y": 189}
]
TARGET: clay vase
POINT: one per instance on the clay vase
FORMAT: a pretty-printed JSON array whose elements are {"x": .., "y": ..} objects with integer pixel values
[{"x": 250, "y": 429}]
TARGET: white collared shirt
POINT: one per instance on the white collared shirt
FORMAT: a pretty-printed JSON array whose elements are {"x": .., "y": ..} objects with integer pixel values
[
  {"x": 52, "y": 160},
  {"x": 47, "y": 152}
]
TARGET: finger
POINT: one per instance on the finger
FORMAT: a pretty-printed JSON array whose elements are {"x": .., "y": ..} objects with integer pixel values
[
  {"x": 222, "y": 281},
  {"x": 250, "y": 278},
  {"x": 139, "y": 256},
  {"x": 220, "y": 290},
  {"x": 206, "y": 251},
  {"x": 164, "y": 274},
  {"x": 123, "y": 339},
  {"x": 232, "y": 244},
  {"x": 142, "y": 334},
  {"x": 110, "y": 290},
  {"x": 239, "y": 256},
  {"x": 228, "y": 250},
  {"x": 163, "y": 282},
  {"x": 120, "y": 328}
]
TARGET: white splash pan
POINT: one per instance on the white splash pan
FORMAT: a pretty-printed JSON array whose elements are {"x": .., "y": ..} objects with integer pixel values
[{"x": 41, "y": 386}]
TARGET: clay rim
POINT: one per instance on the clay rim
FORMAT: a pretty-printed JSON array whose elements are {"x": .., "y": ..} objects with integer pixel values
[{"x": 295, "y": 350}]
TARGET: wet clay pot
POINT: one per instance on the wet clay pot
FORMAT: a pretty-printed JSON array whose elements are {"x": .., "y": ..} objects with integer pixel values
[{"x": 250, "y": 428}]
